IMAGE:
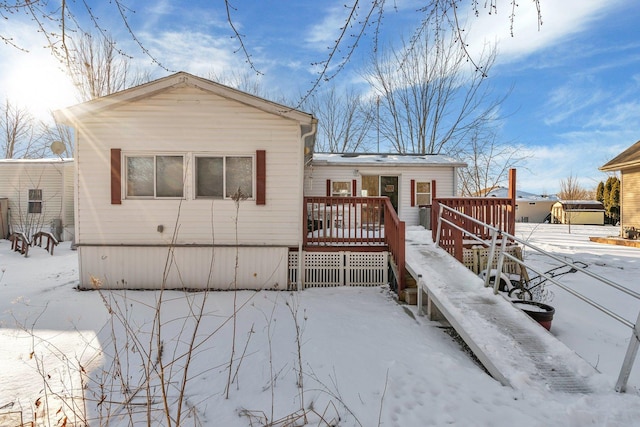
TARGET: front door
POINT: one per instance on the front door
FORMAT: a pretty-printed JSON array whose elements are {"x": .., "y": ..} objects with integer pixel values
[{"x": 389, "y": 188}]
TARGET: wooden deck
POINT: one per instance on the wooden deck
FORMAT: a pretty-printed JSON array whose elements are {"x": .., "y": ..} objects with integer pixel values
[{"x": 513, "y": 348}]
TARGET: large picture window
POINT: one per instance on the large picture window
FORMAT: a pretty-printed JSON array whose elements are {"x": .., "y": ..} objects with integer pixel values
[
  {"x": 224, "y": 176},
  {"x": 155, "y": 176}
]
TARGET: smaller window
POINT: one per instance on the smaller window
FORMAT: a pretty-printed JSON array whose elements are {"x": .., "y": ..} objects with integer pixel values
[
  {"x": 423, "y": 193},
  {"x": 340, "y": 188},
  {"x": 35, "y": 201}
]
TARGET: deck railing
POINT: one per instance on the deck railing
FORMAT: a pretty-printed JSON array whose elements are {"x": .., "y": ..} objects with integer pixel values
[
  {"x": 497, "y": 212},
  {"x": 497, "y": 247},
  {"x": 354, "y": 223}
]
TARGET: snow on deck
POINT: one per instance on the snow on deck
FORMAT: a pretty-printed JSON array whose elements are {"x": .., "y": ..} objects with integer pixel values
[{"x": 514, "y": 348}]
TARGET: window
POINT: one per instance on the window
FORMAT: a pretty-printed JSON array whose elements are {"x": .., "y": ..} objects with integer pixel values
[
  {"x": 340, "y": 188},
  {"x": 222, "y": 177},
  {"x": 35, "y": 201},
  {"x": 155, "y": 176},
  {"x": 423, "y": 193}
]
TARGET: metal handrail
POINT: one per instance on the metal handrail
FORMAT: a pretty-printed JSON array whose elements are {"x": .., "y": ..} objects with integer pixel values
[{"x": 634, "y": 344}]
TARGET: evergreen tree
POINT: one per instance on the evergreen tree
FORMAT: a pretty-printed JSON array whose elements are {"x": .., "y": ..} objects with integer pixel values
[
  {"x": 614, "y": 200},
  {"x": 600, "y": 192}
]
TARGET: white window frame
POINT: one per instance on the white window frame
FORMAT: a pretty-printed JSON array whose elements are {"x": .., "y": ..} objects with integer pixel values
[
  {"x": 338, "y": 193},
  {"x": 154, "y": 155},
  {"x": 418, "y": 193},
  {"x": 34, "y": 199},
  {"x": 224, "y": 158}
]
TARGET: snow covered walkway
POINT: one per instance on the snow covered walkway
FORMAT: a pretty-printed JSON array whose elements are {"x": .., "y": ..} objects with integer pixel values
[{"x": 514, "y": 349}]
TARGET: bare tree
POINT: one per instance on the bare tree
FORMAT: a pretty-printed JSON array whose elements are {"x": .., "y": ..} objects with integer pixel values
[
  {"x": 58, "y": 132},
  {"x": 20, "y": 136},
  {"x": 97, "y": 68},
  {"x": 345, "y": 119},
  {"x": 571, "y": 191},
  {"x": 488, "y": 163},
  {"x": 58, "y": 21},
  {"x": 431, "y": 102}
]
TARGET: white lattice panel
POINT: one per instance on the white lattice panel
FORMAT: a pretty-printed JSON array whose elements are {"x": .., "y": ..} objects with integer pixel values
[
  {"x": 367, "y": 268},
  {"x": 328, "y": 269}
]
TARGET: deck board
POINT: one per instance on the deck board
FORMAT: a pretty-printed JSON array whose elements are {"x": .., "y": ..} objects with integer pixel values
[{"x": 514, "y": 349}]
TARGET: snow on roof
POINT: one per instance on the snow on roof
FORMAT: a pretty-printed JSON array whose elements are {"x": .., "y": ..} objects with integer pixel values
[
  {"x": 382, "y": 159},
  {"x": 522, "y": 195},
  {"x": 49, "y": 160}
]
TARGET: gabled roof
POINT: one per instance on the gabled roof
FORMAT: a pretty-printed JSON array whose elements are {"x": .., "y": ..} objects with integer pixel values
[
  {"x": 581, "y": 205},
  {"x": 382, "y": 160},
  {"x": 181, "y": 79},
  {"x": 628, "y": 158}
]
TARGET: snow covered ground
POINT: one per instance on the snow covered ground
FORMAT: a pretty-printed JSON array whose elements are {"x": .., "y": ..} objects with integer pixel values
[{"x": 365, "y": 359}]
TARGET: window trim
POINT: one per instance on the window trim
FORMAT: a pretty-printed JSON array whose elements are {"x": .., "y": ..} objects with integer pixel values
[
  {"x": 125, "y": 172},
  {"x": 224, "y": 157},
  {"x": 417, "y": 193},
  {"x": 36, "y": 200},
  {"x": 349, "y": 184}
]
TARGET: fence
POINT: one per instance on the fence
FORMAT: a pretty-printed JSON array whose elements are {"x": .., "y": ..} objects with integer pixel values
[{"x": 344, "y": 268}]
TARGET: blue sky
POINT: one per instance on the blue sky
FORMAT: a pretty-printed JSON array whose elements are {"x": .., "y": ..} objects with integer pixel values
[{"x": 575, "y": 83}]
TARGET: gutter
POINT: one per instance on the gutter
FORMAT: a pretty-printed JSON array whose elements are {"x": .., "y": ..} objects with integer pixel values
[{"x": 314, "y": 126}]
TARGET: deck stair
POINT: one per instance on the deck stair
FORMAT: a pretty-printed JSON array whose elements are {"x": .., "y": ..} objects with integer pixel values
[{"x": 513, "y": 348}]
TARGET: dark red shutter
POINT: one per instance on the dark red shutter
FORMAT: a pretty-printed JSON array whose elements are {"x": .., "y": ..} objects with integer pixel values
[
  {"x": 413, "y": 192},
  {"x": 328, "y": 188},
  {"x": 116, "y": 176},
  {"x": 354, "y": 188},
  {"x": 261, "y": 177}
]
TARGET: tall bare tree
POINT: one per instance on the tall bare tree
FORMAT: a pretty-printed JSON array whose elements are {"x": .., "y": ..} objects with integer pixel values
[
  {"x": 98, "y": 68},
  {"x": 571, "y": 190},
  {"x": 57, "y": 132},
  {"x": 345, "y": 119},
  {"x": 430, "y": 100},
  {"x": 488, "y": 163},
  {"x": 57, "y": 22},
  {"x": 21, "y": 138}
]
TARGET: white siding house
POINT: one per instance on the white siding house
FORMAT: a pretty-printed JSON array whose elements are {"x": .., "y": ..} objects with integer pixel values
[
  {"x": 405, "y": 178},
  {"x": 529, "y": 207},
  {"x": 157, "y": 169},
  {"x": 39, "y": 196}
]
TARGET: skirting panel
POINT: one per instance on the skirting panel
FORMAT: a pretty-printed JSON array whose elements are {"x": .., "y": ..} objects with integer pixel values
[
  {"x": 124, "y": 267},
  {"x": 329, "y": 269}
]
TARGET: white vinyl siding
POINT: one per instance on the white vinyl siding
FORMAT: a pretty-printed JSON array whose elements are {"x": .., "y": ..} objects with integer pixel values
[
  {"x": 118, "y": 267},
  {"x": 204, "y": 124},
  {"x": 317, "y": 176},
  {"x": 53, "y": 178},
  {"x": 630, "y": 198}
]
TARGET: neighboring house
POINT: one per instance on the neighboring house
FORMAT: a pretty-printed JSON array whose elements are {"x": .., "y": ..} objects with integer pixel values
[
  {"x": 158, "y": 168},
  {"x": 529, "y": 207},
  {"x": 628, "y": 163},
  {"x": 407, "y": 179},
  {"x": 38, "y": 196},
  {"x": 585, "y": 212}
]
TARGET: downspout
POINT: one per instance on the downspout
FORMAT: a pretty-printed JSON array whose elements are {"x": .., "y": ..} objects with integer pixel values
[{"x": 314, "y": 124}]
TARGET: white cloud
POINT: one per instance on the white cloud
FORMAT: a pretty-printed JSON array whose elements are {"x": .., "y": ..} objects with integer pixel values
[
  {"x": 576, "y": 153},
  {"x": 560, "y": 19}
]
